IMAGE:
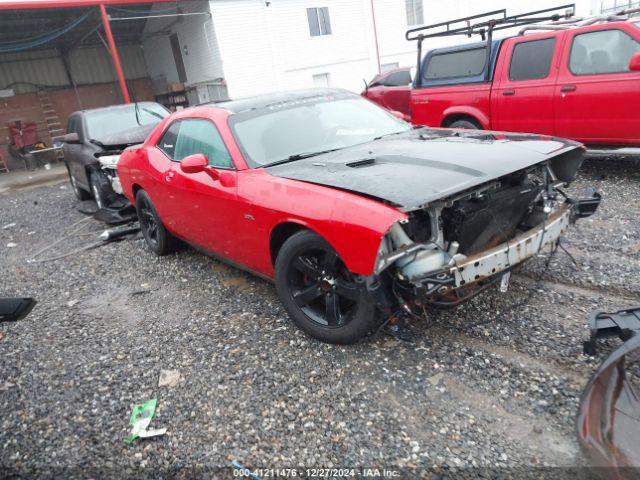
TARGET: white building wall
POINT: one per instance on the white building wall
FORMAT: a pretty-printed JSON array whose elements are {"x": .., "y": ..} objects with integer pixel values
[
  {"x": 266, "y": 48},
  {"x": 195, "y": 33},
  {"x": 259, "y": 46}
]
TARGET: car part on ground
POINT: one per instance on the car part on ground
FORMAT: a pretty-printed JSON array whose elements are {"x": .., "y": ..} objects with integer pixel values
[
  {"x": 415, "y": 217},
  {"x": 14, "y": 309},
  {"x": 608, "y": 424}
]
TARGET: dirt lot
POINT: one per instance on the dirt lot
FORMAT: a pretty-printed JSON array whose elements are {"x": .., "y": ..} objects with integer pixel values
[{"x": 493, "y": 384}]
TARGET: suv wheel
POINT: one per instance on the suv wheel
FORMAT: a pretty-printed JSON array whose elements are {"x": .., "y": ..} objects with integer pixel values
[
  {"x": 320, "y": 294},
  {"x": 77, "y": 191}
]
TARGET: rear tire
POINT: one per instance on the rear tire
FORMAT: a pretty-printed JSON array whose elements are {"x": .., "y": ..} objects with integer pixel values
[
  {"x": 320, "y": 295},
  {"x": 467, "y": 124},
  {"x": 157, "y": 237},
  {"x": 77, "y": 191}
]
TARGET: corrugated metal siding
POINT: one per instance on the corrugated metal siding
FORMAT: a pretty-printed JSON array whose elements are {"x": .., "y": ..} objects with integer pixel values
[{"x": 23, "y": 71}]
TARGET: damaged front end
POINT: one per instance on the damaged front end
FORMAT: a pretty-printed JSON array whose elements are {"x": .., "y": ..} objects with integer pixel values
[
  {"x": 451, "y": 249},
  {"x": 108, "y": 161}
]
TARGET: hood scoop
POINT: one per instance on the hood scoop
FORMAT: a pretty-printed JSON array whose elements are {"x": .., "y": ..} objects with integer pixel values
[{"x": 362, "y": 163}]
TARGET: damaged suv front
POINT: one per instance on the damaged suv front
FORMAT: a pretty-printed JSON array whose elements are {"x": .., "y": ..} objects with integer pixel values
[{"x": 449, "y": 250}]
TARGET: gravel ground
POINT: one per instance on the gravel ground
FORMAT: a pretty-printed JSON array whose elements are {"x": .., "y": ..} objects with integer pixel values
[{"x": 493, "y": 384}]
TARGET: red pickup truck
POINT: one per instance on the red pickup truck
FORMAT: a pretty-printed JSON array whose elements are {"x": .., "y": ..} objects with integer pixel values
[{"x": 574, "y": 78}]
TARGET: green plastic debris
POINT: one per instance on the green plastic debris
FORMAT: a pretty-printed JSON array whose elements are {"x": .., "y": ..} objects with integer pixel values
[{"x": 141, "y": 416}]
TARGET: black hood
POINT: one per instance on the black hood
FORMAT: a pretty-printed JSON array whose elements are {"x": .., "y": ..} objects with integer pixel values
[
  {"x": 415, "y": 168},
  {"x": 122, "y": 139}
]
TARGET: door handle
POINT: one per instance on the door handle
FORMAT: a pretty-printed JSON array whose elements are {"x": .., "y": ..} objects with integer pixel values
[
  {"x": 568, "y": 88},
  {"x": 508, "y": 92},
  {"x": 168, "y": 176}
]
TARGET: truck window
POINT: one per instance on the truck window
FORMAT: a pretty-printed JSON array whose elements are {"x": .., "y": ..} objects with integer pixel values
[
  {"x": 532, "y": 60},
  {"x": 464, "y": 63},
  {"x": 605, "y": 51}
]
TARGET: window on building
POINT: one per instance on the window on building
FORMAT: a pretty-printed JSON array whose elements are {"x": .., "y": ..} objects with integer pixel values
[
  {"x": 531, "y": 60},
  {"x": 464, "y": 63},
  {"x": 319, "y": 22},
  {"x": 322, "y": 80},
  {"x": 415, "y": 15},
  {"x": 605, "y": 51}
]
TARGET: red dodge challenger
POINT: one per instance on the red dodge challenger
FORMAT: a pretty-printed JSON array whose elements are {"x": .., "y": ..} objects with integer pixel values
[{"x": 353, "y": 213}]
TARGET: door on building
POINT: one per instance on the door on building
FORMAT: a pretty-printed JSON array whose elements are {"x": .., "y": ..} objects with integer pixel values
[{"x": 177, "y": 57}]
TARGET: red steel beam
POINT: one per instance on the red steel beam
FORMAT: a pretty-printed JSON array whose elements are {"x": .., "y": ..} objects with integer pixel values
[
  {"x": 35, "y": 4},
  {"x": 114, "y": 54}
]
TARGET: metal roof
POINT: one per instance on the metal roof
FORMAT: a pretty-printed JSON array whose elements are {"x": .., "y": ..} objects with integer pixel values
[{"x": 24, "y": 26}]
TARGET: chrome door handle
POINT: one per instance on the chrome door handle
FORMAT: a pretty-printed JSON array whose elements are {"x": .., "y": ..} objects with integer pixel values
[
  {"x": 568, "y": 88},
  {"x": 508, "y": 92}
]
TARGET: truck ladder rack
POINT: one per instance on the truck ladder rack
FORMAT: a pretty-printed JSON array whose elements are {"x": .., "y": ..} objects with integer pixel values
[{"x": 484, "y": 24}]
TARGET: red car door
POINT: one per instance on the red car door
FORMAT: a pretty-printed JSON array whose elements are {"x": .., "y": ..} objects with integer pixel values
[
  {"x": 597, "y": 98},
  {"x": 203, "y": 206},
  {"x": 523, "y": 99}
]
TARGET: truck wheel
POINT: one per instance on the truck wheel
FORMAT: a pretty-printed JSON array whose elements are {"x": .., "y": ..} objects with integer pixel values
[
  {"x": 320, "y": 294},
  {"x": 468, "y": 124},
  {"x": 77, "y": 191},
  {"x": 157, "y": 237}
]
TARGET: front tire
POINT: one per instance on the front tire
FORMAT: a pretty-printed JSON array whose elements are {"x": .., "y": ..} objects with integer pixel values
[
  {"x": 77, "y": 191},
  {"x": 157, "y": 237},
  {"x": 319, "y": 293}
]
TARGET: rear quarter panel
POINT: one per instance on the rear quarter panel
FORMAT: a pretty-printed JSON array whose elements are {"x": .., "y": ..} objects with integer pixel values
[{"x": 431, "y": 106}]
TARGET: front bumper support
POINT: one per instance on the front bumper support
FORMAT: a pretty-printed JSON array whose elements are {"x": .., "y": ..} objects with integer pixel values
[{"x": 503, "y": 257}]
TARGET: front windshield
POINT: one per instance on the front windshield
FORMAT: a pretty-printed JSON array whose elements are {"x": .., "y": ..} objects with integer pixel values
[
  {"x": 299, "y": 127},
  {"x": 101, "y": 123}
]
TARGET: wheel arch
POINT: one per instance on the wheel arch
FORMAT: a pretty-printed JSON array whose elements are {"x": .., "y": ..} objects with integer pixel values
[
  {"x": 470, "y": 114},
  {"x": 358, "y": 253}
]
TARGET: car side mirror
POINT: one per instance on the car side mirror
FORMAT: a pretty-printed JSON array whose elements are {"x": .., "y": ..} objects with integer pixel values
[
  {"x": 72, "y": 137},
  {"x": 195, "y": 163},
  {"x": 634, "y": 63}
]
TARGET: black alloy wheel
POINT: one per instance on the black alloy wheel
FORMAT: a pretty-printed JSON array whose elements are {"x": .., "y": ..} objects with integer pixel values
[
  {"x": 319, "y": 293},
  {"x": 158, "y": 239}
]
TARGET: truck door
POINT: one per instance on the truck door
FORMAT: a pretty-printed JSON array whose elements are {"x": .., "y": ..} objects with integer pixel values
[
  {"x": 523, "y": 100},
  {"x": 597, "y": 97}
]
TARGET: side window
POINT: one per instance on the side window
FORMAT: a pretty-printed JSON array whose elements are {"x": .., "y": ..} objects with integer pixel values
[
  {"x": 466, "y": 63},
  {"x": 73, "y": 124},
  {"x": 168, "y": 141},
  {"x": 398, "y": 79},
  {"x": 201, "y": 136},
  {"x": 531, "y": 60},
  {"x": 604, "y": 51}
]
